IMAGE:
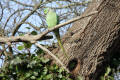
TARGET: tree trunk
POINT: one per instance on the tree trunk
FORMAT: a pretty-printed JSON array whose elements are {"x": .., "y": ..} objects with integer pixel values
[{"x": 91, "y": 41}]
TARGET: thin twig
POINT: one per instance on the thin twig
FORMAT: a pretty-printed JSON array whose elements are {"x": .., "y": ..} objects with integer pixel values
[
  {"x": 1, "y": 16},
  {"x": 13, "y": 15},
  {"x": 51, "y": 54},
  {"x": 25, "y": 38},
  {"x": 22, "y": 3},
  {"x": 35, "y": 27},
  {"x": 25, "y": 18}
]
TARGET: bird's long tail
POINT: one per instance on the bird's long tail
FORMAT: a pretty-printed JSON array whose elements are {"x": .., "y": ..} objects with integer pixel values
[{"x": 56, "y": 32}]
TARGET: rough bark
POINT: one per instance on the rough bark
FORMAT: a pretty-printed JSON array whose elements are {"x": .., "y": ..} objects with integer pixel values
[{"x": 94, "y": 39}]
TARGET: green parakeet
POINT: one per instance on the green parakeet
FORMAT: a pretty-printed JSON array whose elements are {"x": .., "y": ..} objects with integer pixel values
[{"x": 52, "y": 19}]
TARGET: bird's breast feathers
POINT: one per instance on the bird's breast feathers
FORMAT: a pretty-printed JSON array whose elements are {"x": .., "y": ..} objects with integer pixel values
[{"x": 51, "y": 19}]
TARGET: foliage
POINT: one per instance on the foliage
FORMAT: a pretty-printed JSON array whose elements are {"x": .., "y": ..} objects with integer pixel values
[
  {"x": 112, "y": 69},
  {"x": 107, "y": 75},
  {"x": 34, "y": 67}
]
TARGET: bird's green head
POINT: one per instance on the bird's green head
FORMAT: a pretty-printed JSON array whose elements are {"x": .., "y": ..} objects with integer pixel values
[{"x": 46, "y": 10}]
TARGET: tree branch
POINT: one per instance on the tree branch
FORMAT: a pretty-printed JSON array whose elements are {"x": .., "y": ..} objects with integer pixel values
[
  {"x": 25, "y": 38},
  {"x": 22, "y": 3},
  {"x": 12, "y": 15},
  {"x": 25, "y": 18},
  {"x": 1, "y": 15},
  {"x": 51, "y": 54},
  {"x": 31, "y": 38},
  {"x": 35, "y": 27},
  {"x": 70, "y": 5}
]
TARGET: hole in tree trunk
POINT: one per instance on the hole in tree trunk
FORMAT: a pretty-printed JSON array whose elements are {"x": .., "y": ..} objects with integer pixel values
[{"x": 72, "y": 64}]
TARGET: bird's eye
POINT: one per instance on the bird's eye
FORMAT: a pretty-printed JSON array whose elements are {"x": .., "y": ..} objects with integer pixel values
[{"x": 46, "y": 10}]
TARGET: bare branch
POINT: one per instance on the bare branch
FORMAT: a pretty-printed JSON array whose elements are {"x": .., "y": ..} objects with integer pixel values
[
  {"x": 25, "y": 18},
  {"x": 51, "y": 54},
  {"x": 22, "y": 3},
  {"x": 12, "y": 15},
  {"x": 26, "y": 38},
  {"x": 35, "y": 27},
  {"x": 70, "y": 5},
  {"x": 40, "y": 36},
  {"x": 1, "y": 11}
]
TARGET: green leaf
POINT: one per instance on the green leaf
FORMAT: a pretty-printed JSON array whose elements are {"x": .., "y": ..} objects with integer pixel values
[
  {"x": 34, "y": 33},
  {"x": 28, "y": 28},
  {"x": 102, "y": 78},
  {"x": 45, "y": 60},
  {"x": 2, "y": 74},
  {"x": 63, "y": 78},
  {"x": 60, "y": 70},
  {"x": 21, "y": 34},
  {"x": 111, "y": 77},
  {"x": 27, "y": 44},
  {"x": 55, "y": 66},
  {"x": 79, "y": 78},
  {"x": 39, "y": 51},
  {"x": 60, "y": 76},
  {"x": 31, "y": 64},
  {"x": 27, "y": 75},
  {"x": 45, "y": 71},
  {"x": 48, "y": 77},
  {"x": 40, "y": 78},
  {"x": 108, "y": 71},
  {"x": 15, "y": 61},
  {"x": 22, "y": 78},
  {"x": 35, "y": 73},
  {"x": 20, "y": 47},
  {"x": 33, "y": 77}
]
